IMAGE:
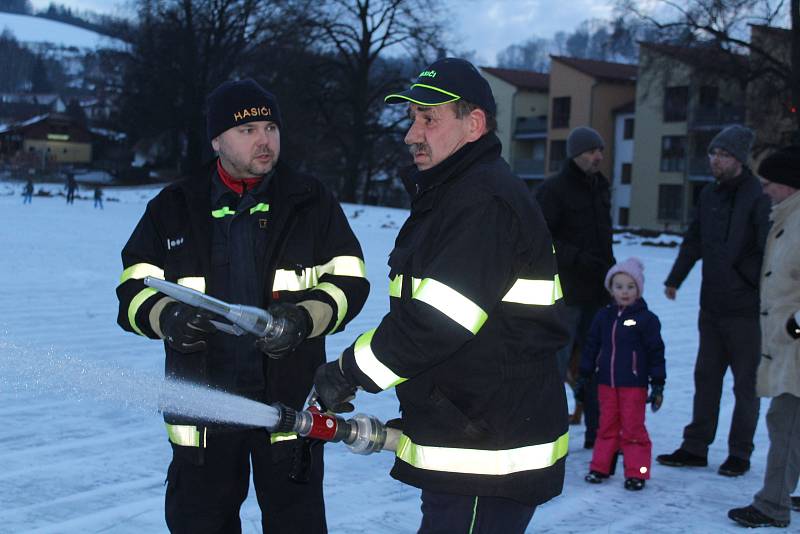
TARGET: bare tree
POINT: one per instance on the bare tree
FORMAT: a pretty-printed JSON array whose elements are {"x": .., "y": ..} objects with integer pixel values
[
  {"x": 181, "y": 50},
  {"x": 532, "y": 54},
  {"x": 356, "y": 40},
  {"x": 773, "y": 72}
]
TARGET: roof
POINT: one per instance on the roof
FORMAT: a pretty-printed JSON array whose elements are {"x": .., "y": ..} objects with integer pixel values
[
  {"x": 699, "y": 56},
  {"x": 602, "y": 70},
  {"x": 783, "y": 32},
  {"x": 524, "y": 79},
  {"x": 627, "y": 107}
]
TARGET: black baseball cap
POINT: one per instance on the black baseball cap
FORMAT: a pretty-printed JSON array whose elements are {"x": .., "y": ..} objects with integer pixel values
[{"x": 448, "y": 80}]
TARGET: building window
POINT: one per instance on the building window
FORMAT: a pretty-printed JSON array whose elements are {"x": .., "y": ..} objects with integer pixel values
[
  {"x": 709, "y": 94},
  {"x": 561, "y": 107},
  {"x": 670, "y": 198},
  {"x": 627, "y": 172},
  {"x": 673, "y": 153},
  {"x": 676, "y": 102},
  {"x": 622, "y": 216},
  {"x": 627, "y": 129},
  {"x": 558, "y": 153}
]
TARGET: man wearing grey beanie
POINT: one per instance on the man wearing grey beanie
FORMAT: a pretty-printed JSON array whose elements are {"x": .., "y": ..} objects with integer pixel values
[
  {"x": 728, "y": 233},
  {"x": 576, "y": 204}
]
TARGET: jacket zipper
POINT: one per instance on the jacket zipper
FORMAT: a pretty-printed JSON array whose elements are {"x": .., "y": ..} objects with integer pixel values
[
  {"x": 635, "y": 366},
  {"x": 614, "y": 345}
]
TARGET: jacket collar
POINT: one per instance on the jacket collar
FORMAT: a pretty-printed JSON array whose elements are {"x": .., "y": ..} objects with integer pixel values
[
  {"x": 783, "y": 209},
  {"x": 417, "y": 182},
  {"x": 576, "y": 174}
]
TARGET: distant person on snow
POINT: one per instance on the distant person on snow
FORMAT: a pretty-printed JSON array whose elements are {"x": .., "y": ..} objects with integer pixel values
[
  {"x": 250, "y": 230},
  {"x": 98, "y": 197},
  {"x": 71, "y": 187},
  {"x": 779, "y": 370},
  {"x": 625, "y": 351},
  {"x": 474, "y": 322},
  {"x": 728, "y": 233},
  {"x": 27, "y": 192}
]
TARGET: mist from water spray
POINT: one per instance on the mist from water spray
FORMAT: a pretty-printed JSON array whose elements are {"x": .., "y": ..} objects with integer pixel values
[{"x": 29, "y": 370}]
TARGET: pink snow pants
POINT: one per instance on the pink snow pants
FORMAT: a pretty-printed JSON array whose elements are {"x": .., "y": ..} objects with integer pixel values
[{"x": 622, "y": 428}]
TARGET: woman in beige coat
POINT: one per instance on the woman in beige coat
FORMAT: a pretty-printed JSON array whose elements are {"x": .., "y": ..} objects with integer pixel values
[{"x": 779, "y": 371}]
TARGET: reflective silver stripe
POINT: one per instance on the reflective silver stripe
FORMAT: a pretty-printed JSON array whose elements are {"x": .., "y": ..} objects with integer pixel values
[
  {"x": 339, "y": 298},
  {"x": 371, "y": 366},
  {"x": 534, "y": 292},
  {"x": 482, "y": 462},
  {"x": 282, "y": 436},
  {"x": 344, "y": 266},
  {"x": 185, "y": 435},
  {"x": 197, "y": 283},
  {"x": 451, "y": 303},
  {"x": 290, "y": 280},
  {"x": 136, "y": 303},
  {"x": 140, "y": 270}
]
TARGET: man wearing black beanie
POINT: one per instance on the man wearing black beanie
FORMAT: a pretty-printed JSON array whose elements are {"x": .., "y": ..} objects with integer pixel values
[{"x": 248, "y": 230}]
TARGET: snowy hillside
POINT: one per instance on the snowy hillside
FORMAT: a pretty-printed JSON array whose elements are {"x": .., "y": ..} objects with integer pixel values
[
  {"x": 75, "y": 460},
  {"x": 35, "y": 30}
]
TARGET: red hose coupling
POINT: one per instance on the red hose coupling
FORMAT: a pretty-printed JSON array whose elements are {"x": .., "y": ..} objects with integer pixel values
[{"x": 323, "y": 425}]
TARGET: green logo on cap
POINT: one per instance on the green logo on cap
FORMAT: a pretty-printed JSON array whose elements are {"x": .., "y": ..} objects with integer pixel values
[{"x": 428, "y": 73}]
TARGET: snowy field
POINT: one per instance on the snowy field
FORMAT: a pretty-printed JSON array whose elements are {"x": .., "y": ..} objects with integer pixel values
[{"x": 72, "y": 460}]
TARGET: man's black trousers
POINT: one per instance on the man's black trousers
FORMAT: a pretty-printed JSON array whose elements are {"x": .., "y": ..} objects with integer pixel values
[
  {"x": 207, "y": 486},
  {"x": 444, "y": 513}
]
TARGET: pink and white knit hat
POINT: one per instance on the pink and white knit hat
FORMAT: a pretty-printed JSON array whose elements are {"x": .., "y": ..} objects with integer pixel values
[{"x": 633, "y": 267}]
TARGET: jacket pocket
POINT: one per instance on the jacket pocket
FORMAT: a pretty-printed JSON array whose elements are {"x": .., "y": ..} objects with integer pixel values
[{"x": 448, "y": 415}]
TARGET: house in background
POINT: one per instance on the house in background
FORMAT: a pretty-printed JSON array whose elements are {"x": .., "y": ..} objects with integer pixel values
[
  {"x": 46, "y": 140},
  {"x": 522, "y": 104},
  {"x": 624, "y": 128},
  {"x": 684, "y": 97},
  {"x": 584, "y": 92}
]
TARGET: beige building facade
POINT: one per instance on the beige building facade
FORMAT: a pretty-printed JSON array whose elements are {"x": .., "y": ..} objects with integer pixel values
[{"x": 522, "y": 103}]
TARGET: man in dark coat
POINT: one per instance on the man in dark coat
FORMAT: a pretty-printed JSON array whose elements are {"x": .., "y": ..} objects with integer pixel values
[
  {"x": 473, "y": 326},
  {"x": 728, "y": 233},
  {"x": 577, "y": 206},
  {"x": 248, "y": 230}
]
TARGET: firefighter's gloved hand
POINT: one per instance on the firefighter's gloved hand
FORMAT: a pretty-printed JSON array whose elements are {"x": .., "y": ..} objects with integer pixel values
[
  {"x": 297, "y": 325},
  {"x": 579, "y": 391},
  {"x": 333, "y": 388},
  {"x": 656, "y": 397},
  {"x": 185, "y": 328},
  {"x": 793, "y": 326}
]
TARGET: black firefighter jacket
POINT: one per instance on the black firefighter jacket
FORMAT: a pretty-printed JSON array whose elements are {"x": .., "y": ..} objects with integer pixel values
[
  {"x": 309, "y": 254},
  {"x": 577, "y": 208},
  {"x": 471, "y": 336},
  {"x": 728, "y": 233}
]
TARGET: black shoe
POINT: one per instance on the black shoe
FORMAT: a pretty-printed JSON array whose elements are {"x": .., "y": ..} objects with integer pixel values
[
  {"x": 734, "y": 467},
  {"x": 682, "y": 458},
  {"x": 750, "y": 517},
  {"x": 595, "y": 477},
  {"x": 634, "y": 484},
  {"x": 796, "y": 504},
  {"x": 588, "y": 443}
]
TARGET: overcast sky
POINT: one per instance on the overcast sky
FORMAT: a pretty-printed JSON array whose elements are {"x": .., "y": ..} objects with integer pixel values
[{"x": 485, "y": 26}]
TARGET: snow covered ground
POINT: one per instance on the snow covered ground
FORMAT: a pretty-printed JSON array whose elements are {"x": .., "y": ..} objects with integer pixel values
[{"x": 75, "y": 461}]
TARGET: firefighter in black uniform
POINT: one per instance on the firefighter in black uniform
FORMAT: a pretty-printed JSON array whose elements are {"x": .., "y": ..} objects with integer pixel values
[
  {"x": 474, "y": 322},
  {"x": 249, "y": 231}
]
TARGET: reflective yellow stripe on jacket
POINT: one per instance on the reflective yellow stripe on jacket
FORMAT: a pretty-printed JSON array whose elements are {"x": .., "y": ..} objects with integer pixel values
[
  {"x": 482, "y": 462},
  {"x": 371, "y": 366},
  {"x": 189, "y": 436},
  {"x": 308, "y": 278}
]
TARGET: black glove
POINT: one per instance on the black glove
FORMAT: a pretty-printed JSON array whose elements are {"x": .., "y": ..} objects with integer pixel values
[
  {"x": 579, "y": 390},
  {"x": 333, "y": 388},
  {"x": 656, "y": 396},
  {"x": 297, "y": 325},
  {"x": 792, "y": 327},
  {"x": 185, "y": 328}
]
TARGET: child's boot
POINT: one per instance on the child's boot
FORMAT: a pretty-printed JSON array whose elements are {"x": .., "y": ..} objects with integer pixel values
[
  {"x": 595, "y": 477},
  {"x": 634, "y": 484}
]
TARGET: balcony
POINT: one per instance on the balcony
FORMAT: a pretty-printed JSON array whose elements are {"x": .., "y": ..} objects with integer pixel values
[
  {"x": 529, "y": 168},
  {"x": 531, "y": 127},
  {"x": 716, "y": 117}
]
